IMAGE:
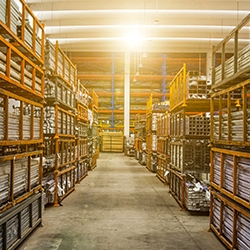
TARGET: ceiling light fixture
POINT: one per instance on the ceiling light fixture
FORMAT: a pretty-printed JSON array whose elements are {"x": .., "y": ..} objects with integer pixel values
[{"x": 157, "y": 20}]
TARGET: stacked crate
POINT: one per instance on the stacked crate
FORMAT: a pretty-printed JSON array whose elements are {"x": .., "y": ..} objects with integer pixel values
[
  {"x": 189, "y": 140},
  {"x": 93, "y": 138},
  {"x": 163, "y": 131},
  {"x": 153, "y": 111},
  {"x": 151, "y": 139},
  {"x": 136, "y": 136},
  {"x": 21, "y": 134},
  {"x": 129, "y": 144},
  {"x": 230, "y": 139},
  {"x": 82, "y": 103},
  {"x": 59, "y": 125},
  {"x": 141, "y": 139}
]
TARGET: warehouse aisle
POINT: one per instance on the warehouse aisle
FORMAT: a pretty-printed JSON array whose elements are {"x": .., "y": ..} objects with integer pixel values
[{"x": 121, "y": 205}]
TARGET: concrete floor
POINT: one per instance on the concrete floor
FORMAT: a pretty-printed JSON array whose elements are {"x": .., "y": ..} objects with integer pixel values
[{"x": 121, "y": 205}]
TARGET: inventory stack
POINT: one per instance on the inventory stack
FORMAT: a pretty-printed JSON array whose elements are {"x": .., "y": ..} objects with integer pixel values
[
  {"x": 59, "y": 125},
  {"x": 136, "y": 136},
  {"x": 230, "y": 138},
  {"x": 21, "y": 112},
  {"x": 153, "y": 111},
  {"x": 82, "y": 103},
  {"x": 93, "y": 138},
  {"x": 189, "y": 140},
  {"x": 151, "y": 139},
  {"x": 129, "y": 143},
  {"x": 142, "y": 140},
  {"x": 163, "y": 150}
]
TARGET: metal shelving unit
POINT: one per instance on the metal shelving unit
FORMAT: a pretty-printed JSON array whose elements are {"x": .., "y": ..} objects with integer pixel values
[
  {"x": 21, "y": 125},
  {"x": 19, "y": 24},
  {"x": 82, "y": 101},
  {"x": 60, "y": 152},
  {"x": 93, "y": 137},
  {"x": 231, "y": 58},
  {"x": 189, "y": 139},
  {"x": 229, "y": 221},
  {"x": 163, "y": 153},
  {"x": 19, "y": 74},
  {"x": 153, "y": 111},
  {"x": 140, "y": 139},
  {"x": 22, "y": 121},
  {"x": 230, "y": 202},
  {"x": 16, "y": 224}
]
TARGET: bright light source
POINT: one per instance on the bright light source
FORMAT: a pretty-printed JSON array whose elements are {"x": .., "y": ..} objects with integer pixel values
[{"x": 133, "y": 39}]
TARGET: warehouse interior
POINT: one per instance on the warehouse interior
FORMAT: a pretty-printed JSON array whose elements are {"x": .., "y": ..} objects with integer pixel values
[
  {"x": 96, "y": 35},
  {"x": 125, "y": 113}
]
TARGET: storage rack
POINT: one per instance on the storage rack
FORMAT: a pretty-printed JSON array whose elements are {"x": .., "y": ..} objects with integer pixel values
[
  {"x": 19, "y": 24},
  {"x": 129, "y": 149},
  {"x": 82, "y": 102},
  {"x": 93, "y": 138},
  {"x": 59, "y": 65},
  {"x": 230, "y": 185},
  {"x": 189, "y": 139},
  {"x": 163, "y": 153},
  {"x": 21, "y": 125},
  {"x": 136, "y": 136},
  {"x": 141, "y": 139},
  {"x": 153, "y": 111},
  {"x": 19, "y": 74},
  {"x": 226, "y": 71},
  {"x": 60, "y": 150},
  {"x": 17, "y": 223},
  {"x": 151, "y": 139}
]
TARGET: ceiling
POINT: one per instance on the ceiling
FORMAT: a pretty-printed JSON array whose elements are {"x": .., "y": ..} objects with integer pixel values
[{"x": 157, "y": 25}]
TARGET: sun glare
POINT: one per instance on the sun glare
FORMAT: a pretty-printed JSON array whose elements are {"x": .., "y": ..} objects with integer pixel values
[{"x": 133, "y": 39}]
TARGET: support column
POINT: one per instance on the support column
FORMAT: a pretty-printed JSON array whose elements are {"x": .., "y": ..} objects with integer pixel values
[
  {"x": 112, "y": 119},
  {"x": 209, "y": 65},
  {"x": 127, "y": 93}
]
